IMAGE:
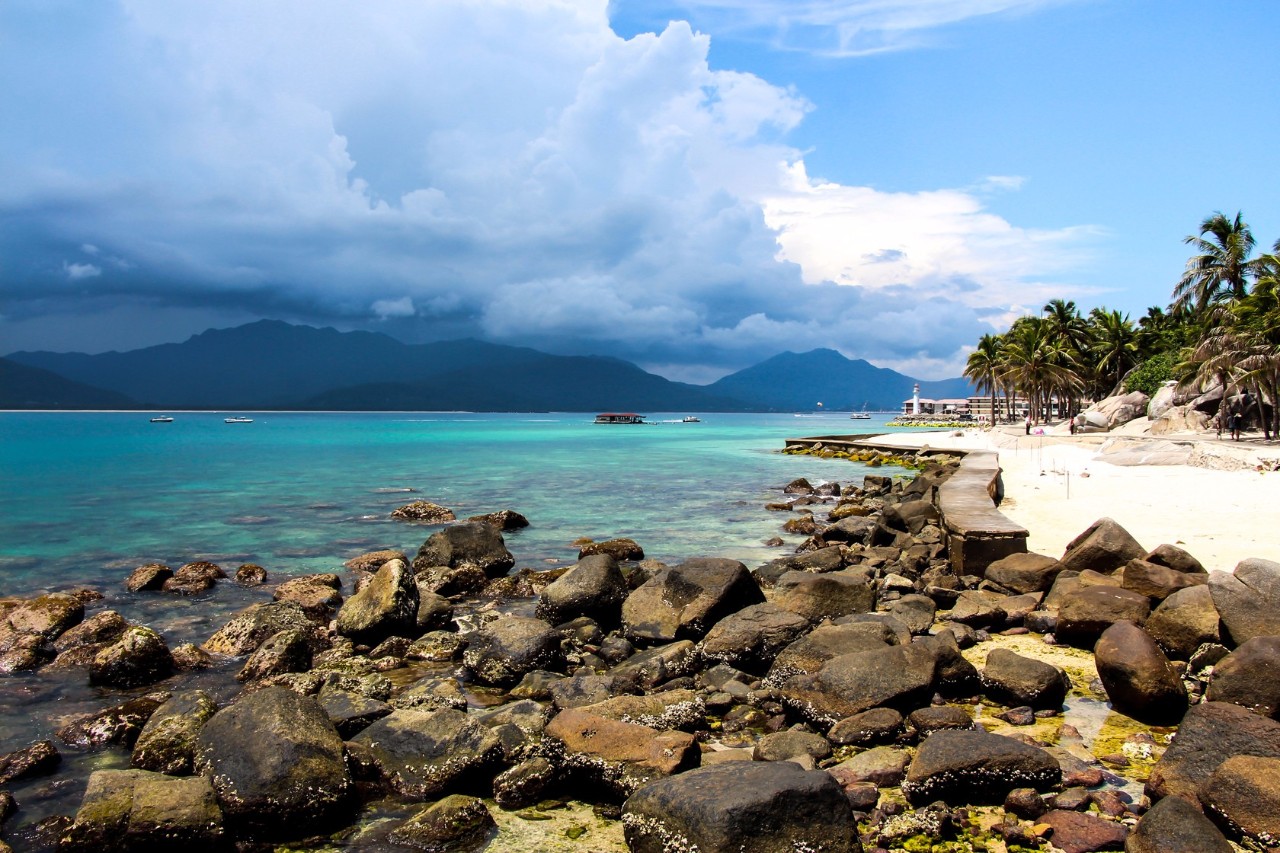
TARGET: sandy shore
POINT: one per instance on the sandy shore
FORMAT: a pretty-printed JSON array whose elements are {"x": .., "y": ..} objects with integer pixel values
[{"x": 1056, "y": 486}]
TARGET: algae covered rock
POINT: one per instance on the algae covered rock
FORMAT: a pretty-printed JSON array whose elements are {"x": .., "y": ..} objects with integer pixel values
[
  {"x": 167, "y": 743},
  {"x": 138, "y": 657},
  {"x": 386, "y": 606},
  {"x": 472, "y": 544},
  {"x": 509, "y": 647},
  {"x": 424, "y": 754},
  {"x": 125, "y": 810}
]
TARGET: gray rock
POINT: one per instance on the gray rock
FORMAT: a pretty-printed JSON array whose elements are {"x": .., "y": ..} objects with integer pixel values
[
  {"x": 1103, "y": 547},
  {"x": 455, "y": 824},
  {"x": 167, "y": 743},
  {"x": 1184, "y": 622},
  {"x": 1013, "y": 679},
  {"x": 140, "y": 656},
  {"x": 249, "y": 628},
  {"x": 962, "y": 767},
  {"x": 286, "y": 651},
  {"x": 424, "y": 754},
  {"x": 1024, "y": 572},
  {"x": 895, "y": 676},
  {"x": 1084, "y": 614},
  {"x": 810, "y": 652},
  {"x": 879, "y": 725},
  {"x": 786, "y": 745},
  {"x": 126, "y": 810},
  {"x": 1138, "y": 678},
  {"x": 917, "y": 612},
  {"x": 751, "y": 638},
  {"x": 683, "y": 602},
  {"x": 647, "y": 669},
  {"x": 507, "y": 648},
  {"x": 594, "y": 587},
  {"x": 825, "y": 596},
  {"x": 386, "y": 606},
  {"x": 1248, "y": 599},
  {"x": 276, "y": 762},
  {"x": 741, "y": 807},
  {"x": 470, "y": 543}
]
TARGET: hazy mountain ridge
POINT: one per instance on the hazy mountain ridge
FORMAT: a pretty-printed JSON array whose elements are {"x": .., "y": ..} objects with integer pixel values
[{"x": 271, "y": 364}]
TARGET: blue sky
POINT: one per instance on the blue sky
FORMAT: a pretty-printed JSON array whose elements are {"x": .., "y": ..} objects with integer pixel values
[{"x": 694, "y": 186}]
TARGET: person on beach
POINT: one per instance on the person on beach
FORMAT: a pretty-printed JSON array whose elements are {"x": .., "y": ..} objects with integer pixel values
[{"x": 1027, "y": 423}]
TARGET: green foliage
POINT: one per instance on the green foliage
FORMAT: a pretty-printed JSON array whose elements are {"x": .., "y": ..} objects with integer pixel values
[{"x": 1148, "y": 376}]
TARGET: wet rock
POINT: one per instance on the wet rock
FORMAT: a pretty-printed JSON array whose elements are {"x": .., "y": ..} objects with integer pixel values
[
  {"x": 120, "y": 724},
  {"x": 276, "y": 762},
  {"x": 798, "y": 486},
  {"x": 189, "y": 657},
  {"x": 1174, "y": 825},
  {"x": 741, "y": 806},
  {"x": 423, "y": 511},
  {"x": 1084, "y": 614},
  {"x": 1103, "y": 547},
  {"x": 1250, "y": 677},
  {"x": 523, "y": 785},
  {"x": 249, "y": 628},
  {"x": 1243, "y": 795},
  {"x": 618, "y": 756},
  {"x": 39, "y": 759},
  {"x": 810, "y": 652},
  {"x": 140, "y": 656},
  {"x": 1248, "y": 599},
  {"x": 670, "y": 709},
  {"x": 879, "y": 725},
  {"x": 372, "y": 561},
  {"x": 1025, "y": 803},
  {"x": 1139, "y": 680},
  {"x": 104, "y": 627},
  {"x": 251, "y": 574},
  {"x": 8, "y": 805},
  {"x": 884, "y": 766},
  {"x": 594, "y": 587},
  {"x": 650, "y": 668},
  {"x": 22, "y": 652},
  {"x": 194, "y": 578},
  {"x": 503, "y": 519},
  {"x": 518, "y": 725},
  {"x": 455, "y": 824},
  {"x": 436, "y": 646},
  {"x": 917, "y": 612},
  {"x": 1184, "y": 622},
  {"x": 467, "y": 545},
  {"x": 824, "y": 596},
  {"x": 317, "y": 595},
  {"x": 423, "y": 754},
  {"x": 150, "y": 577},
  {"x": 791, "y": 744},
  {"x": 46, "y": 616},
  {"x": 1074, "y": 832},
  {"x": 1157, "y": 582},
  {"x": 387, "y": 606},
  {"x": 1024, "y": 572},
  {"x": 435, "y": 612},
  {"x": 126, "y": 810},
  {"x": 1012, "y": 679},
  {"x": 621, "y": 549},
  {"x": 431, "y": 693},
  {"x": 895, "y": 676},
  {"x": 507, "y": 648},
  {"x": 683, "y": 602},
  {"x": 751, "y": 638},
  {"x": 582, "y": 688},
  {"x": 167, "y": 743},
  {"x": 350, "y": 712},
  {"x": 976, "y": 767},
  {"x": 286, "y": 651},
  {"x": 1208, "y": 735}
]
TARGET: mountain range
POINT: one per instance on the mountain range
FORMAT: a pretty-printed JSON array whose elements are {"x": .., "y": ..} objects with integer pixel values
[{"x": 274, "y": 365}]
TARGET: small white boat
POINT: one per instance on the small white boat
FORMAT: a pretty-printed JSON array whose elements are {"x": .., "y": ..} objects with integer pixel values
[
  {"x": 859, "y": 416},
  {"x": 690, "y": 419},
  {"x": 240, "y": 419},
  {"x": 163, "y": 419}
]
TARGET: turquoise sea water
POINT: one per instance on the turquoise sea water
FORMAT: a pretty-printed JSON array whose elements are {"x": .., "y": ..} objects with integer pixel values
[{"x": 86, "y": 497}]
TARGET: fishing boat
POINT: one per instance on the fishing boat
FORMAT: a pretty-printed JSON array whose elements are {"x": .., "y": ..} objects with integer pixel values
[
  {"x": 619, "y": 418},
  {"x": 690, "y": 419},
  {"x": 162, "y": 419},
  {"x": 863, "y": 415},
  {"x": 239, "y": 419}
]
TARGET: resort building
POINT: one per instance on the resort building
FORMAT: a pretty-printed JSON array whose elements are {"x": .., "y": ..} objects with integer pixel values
[{"x": 951, "y": 407}]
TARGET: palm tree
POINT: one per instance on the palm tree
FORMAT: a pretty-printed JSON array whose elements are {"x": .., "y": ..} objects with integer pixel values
[
  {"x": 1072, "y": 334},
  {"x": 1037, "y": 363},
  {"x": 1221, "y": 269},
  {"x": 1115, "y": 345},
  {"x": 984, "y": 368}
]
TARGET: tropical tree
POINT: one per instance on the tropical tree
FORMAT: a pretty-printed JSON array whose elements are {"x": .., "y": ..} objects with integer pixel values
[
  {"x": 1221, "y": 269},
  {"x": 1114, "y": 346},
  {"x": 1036, "y": 362},
  {"x": 984, "y": 368}
]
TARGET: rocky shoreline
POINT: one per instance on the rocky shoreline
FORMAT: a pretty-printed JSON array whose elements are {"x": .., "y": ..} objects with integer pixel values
[{"x": 855, "y": 695}]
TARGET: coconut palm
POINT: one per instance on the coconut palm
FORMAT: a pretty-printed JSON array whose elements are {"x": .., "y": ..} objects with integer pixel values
[
  {"x": 1114, "y": 347},
  {"x": 984, "y": 368},
  {"x": 1221, "y": 269},
  {"x": 1037, "y": 363}
]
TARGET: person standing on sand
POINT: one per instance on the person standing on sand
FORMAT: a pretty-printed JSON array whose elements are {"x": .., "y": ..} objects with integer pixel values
[{"x": 1027, "y": 423}]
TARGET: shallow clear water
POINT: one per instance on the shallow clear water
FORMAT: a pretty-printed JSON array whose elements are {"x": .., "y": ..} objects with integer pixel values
[{"x": 86, "y": 497}]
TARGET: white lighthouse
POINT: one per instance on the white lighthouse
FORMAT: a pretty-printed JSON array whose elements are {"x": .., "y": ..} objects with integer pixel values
[{"x": 915, "y": 399}]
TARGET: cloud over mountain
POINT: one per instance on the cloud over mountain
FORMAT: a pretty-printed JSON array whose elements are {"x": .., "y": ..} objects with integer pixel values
[{"x": 513, "y": 170}]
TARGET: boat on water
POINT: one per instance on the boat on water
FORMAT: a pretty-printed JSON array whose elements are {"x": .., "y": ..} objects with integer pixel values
[
  {"x": 162, "y": 419},
  {"x": 619, "y": 418},
  {"x": 239, "y": 419},
  {"x": 860, "y": 416},
  {"x": 690, "y": 419}
]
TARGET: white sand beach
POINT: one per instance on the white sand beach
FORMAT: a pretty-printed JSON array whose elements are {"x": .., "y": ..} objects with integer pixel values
[{"x": 1056, "y": 486}]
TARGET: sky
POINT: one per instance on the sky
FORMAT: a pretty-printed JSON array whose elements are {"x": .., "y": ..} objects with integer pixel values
[{"x": 692, "y": 185}]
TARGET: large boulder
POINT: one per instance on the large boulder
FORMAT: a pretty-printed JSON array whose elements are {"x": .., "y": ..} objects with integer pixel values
[
  {"x": 1184, "y": 622},
  {"x": 647, "y": 669},
  {"x": 962, "y": 767},
  {"x": 276, "y": 762},
  {"x": 140, "y": 656},
  {"x": 167, "y": 743},
  {"x": 1103, "y": 547},
  {"x": 1250, "y": 677},
  {"x": 1139, "y": 680},
  {"x": 1208, "y": 735},
  {"x": 1084, "y": 614},
  {"x": 471, "y": 543},
  {"x": 751, "y": 638},
  {"x": 1173, "y": 557},
  {"x": 1024, "y": 572},
  {"x": 125, "y": 810},
  {"x": 594, "y": 588},
  {"x": 599, "y": 752},
  {"x": 1243, "y": 795},
  {"x": 1174, "y": 825},
  {"x": 386, "y": 606},
  {"x": 509, "y": 647},
  {"x": 1121, "y": 409},
  {"x": 249, "y": 628},
  {"x": 1248, "y": 599},
  {"x": 287, "y": 651},
  {"x": 896, "y": 676},
  {"x": 620, "y": 549},
  {"x": 683, "y": 602},
  {"x": 1012, "y": 679},
  {"x": 825, "y": 642},
  {"x": 424, "y": 754},
  {"x": 825, "y": 596},
  {"x": 1157, "y": 582},
  {"x": 741, "y": 807},
  {"x": 46, "y": 616}
]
